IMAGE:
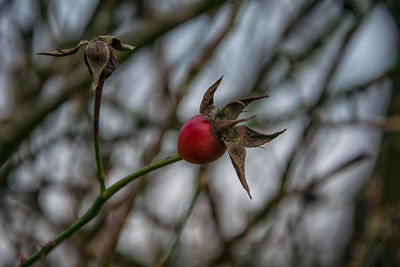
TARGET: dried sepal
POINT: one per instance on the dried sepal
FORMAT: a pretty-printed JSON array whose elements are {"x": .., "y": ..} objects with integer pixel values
[
  {"x": 64, "y": 52},
  {"x": 222, "y": 128},
  {"x": 233, "y": 109},
  {"x": 235, "y": 138},
  {"x": 251, "y": 138},
  {"x": 116, "y": 43},
  {"x": 237, "y": 153},
  {"x": 207, "y": 107}
]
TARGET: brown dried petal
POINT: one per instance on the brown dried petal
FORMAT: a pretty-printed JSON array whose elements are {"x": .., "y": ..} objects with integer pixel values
[
  {"x": 237, "y": 154},
  {"x": 232, "y": 110},
  {"x": 207, "y": 107},
  {"x": 64, "y": 52},
  {"x": 250, "y": 138}
]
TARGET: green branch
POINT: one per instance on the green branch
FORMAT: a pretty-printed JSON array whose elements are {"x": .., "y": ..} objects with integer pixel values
[
  {"x": 96, "y": 207},
  {"x": 96, "y": 125}
]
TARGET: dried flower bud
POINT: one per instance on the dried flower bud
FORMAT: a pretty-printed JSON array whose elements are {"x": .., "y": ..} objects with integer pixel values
[
  {"x": 99, "y": 56},
  {"x": 100, "y": 59}
]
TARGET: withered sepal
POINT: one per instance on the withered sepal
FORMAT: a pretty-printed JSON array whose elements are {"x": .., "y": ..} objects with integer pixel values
[{"x": 235, "y": 138}]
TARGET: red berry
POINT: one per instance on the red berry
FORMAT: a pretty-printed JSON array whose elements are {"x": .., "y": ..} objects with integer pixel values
[{"x": 196, "y": 142}]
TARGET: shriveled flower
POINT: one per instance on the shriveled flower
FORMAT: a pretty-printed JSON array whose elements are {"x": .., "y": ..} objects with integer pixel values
[
  {"x": 99, "y": 56},
  {"x": 221, "y": 124}
]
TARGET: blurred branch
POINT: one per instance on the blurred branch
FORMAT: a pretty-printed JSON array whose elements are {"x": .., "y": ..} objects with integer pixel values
[
  {"x": 376, "y": 233},
  {"x": 297, "y": 112},
  {"x": 389, "y": 124},
  {"x": 214, "y": 210},
  {"x": 124, "y": 260},
  {"x": 96, "y": 207},
  {"x": 307, "y": 194},
  {"x": 207, "y": 52},
  {"x": 325, "y": 82},
  {"x": 323, "y": 179},
  {"x": 32, "y": 152},
  {"x": 165, "y": 260},
  {"x": 13, "y": 134},
  {"x": 166, "y": 22},
  {"x": 273, "y": 54}
]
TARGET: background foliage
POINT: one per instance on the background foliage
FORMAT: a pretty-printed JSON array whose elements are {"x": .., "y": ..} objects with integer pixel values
[{"x": 326, "y": 193}]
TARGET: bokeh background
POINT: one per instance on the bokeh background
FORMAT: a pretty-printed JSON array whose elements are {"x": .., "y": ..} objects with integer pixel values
[{"x": 325, "y": 193}]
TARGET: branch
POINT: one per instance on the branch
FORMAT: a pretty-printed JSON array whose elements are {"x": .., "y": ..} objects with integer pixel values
[
  {"x": 166, "y": 22},
  {"x": 96, "y": 124},
  {"x": 390, "y": 124},
  {"x": 179, "y": 229}
]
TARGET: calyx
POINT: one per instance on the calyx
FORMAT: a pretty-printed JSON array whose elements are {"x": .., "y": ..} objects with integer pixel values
[{"x": 235, "y": 137}]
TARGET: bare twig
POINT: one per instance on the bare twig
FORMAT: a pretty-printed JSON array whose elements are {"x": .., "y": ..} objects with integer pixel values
[
  {"x": 388, "y": 124},
  {"x": 165, "y": 260}
]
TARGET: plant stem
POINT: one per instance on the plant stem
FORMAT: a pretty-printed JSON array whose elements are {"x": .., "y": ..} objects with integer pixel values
[
  {"x": 96, "y": 125},
  {"x": 97, "y": 205},
  {"x": 148, "y": 168}
]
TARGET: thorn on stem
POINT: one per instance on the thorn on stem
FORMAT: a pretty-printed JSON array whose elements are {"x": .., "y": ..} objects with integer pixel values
[{"x": 22, "y": 257}]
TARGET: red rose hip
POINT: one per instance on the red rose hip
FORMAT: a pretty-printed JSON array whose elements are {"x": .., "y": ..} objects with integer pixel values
[{"x": 196, "y": 142}]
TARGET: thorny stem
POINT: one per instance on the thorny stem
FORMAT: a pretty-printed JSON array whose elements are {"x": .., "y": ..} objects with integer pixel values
[
  {"x": 96, "y": 123},
  {"x": 96, "y": 207}
]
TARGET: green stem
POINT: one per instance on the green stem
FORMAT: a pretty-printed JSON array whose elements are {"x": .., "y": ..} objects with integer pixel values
[
  {"x": 152, "y": 166},
  {"x": 96, "y": 125},
  {"x": 97, "y": 205}
]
